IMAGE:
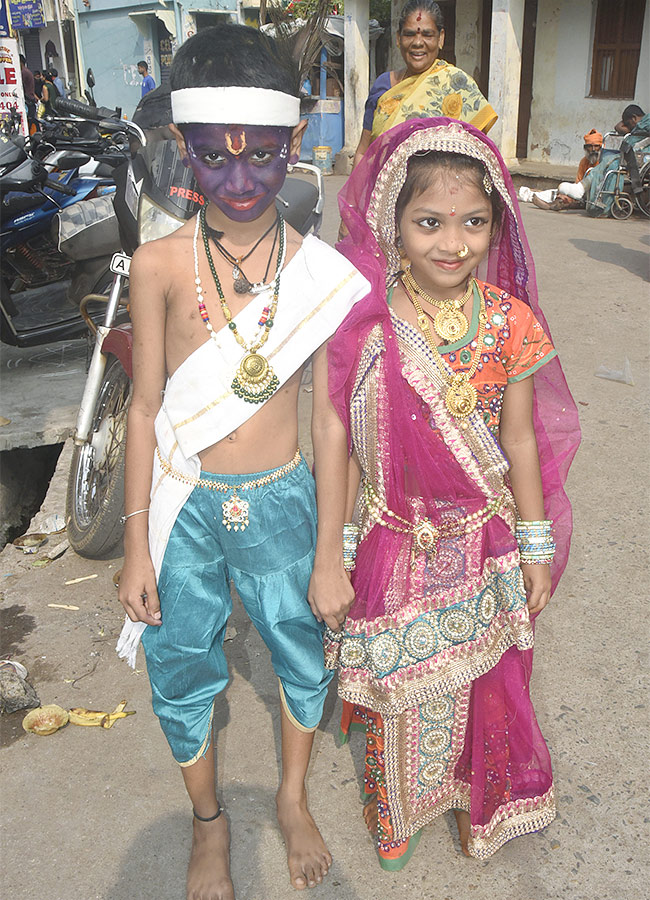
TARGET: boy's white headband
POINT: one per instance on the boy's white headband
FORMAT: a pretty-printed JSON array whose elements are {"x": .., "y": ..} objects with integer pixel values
[{"x": 235, "y": 106}]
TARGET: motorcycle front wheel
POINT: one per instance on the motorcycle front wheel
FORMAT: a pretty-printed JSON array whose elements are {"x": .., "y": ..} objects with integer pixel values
[{"x": 95, "y": 496}]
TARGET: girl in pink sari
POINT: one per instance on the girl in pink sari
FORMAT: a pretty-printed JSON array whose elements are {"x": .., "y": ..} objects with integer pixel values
[{"x": 461, "y": 430}]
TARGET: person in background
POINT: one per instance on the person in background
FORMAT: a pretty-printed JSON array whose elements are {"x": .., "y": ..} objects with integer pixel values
[
  {"x": 592, "y": 147},
  {"x": 427, "y": 86},
  {"x": 58, "y": 83},
  {"x": 49, "y": 94},
  {"x": 28, "y": 90},
  {"x": 148, "y": 84},
  {"x": 631, "y": 115},
  {"x": 552, "y": 198},
  {"x": 38, "y": 83}
]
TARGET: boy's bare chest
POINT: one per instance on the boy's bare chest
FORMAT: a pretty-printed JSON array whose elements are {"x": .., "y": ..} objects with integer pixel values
[{"x": 189, "y": 312}]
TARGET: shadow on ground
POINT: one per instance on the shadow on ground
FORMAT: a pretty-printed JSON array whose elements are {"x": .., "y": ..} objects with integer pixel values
[{"x": 633, "y": 261}]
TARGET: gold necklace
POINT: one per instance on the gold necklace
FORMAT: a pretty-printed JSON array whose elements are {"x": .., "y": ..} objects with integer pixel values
[
  {"x": 255, "y": 381},
  {"x": 461, "y": 396},
  {"x": 450, "y": 322}
]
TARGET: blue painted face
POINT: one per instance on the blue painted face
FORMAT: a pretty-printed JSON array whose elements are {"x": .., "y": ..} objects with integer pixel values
[{"x": 239, "y": 168}]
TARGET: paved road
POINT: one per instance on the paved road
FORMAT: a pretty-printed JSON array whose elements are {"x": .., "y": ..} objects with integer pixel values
[{"x": 90, "y": 813}]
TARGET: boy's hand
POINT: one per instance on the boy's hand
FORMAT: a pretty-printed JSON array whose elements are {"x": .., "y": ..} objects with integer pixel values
[
  {"x": 138, "y": 594},
  {"x": 537, "y": 581},
  {"x": 330, "y": 594}
]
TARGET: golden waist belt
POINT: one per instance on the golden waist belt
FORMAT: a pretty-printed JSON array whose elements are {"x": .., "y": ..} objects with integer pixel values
[
  {"x": 235, "y": 510},
  {"x": 424, "y": 532}
]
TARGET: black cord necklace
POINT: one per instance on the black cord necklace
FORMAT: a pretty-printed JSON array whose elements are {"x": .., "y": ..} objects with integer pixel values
[{"x": 241, "y": 284}]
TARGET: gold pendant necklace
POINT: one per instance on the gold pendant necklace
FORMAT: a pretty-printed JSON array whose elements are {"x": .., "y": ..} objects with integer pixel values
[
  {"x": 450, "y": 322},
  {"x": 461, "y": 398},
  {"x": 254, "y": 381}
]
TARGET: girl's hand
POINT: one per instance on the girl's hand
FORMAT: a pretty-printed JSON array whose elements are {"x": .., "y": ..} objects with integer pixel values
[
  {"x": 537, "y": 582},
  {"x": 138, "y": 593},
  {"x": 330, "y": 595}
]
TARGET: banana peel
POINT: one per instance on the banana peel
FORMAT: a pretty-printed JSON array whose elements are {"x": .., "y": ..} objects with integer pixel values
[{"x": 99, "y": 718}]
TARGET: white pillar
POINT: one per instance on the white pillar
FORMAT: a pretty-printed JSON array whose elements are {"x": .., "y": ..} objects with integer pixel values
[
  {"x": 505, "y": 72},
  {"x": 356, "y": 69}
]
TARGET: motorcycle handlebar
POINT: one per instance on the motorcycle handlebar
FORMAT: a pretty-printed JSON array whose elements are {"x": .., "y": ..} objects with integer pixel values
[
  {"x": 75, "y": 108},
  {"x": 59, "y": 186}
]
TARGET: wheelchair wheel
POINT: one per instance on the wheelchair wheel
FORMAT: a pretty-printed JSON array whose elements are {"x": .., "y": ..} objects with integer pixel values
[
  {"x": 622, "y": 207},
  {"x": 643, "y": 199}
]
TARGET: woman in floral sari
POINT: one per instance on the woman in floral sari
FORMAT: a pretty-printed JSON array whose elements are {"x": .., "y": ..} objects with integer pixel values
[
  {"x": 462, "y": 447},
  {"x": 427, "y": 86}
]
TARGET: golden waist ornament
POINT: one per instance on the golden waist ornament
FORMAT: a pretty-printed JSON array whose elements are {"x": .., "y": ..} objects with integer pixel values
[{"x": 425, "y": 534}]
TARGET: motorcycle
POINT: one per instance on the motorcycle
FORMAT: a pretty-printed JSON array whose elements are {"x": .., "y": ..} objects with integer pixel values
[
  {"x": 155, "y": 195},
  {"x": 40, "y": 286}
]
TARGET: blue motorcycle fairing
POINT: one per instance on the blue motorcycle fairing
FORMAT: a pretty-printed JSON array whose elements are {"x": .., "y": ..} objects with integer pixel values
[{"x": 35, "y": 221}]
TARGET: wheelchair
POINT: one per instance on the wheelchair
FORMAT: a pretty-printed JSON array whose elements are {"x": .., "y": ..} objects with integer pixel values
[{"x": 617, "y": 184}]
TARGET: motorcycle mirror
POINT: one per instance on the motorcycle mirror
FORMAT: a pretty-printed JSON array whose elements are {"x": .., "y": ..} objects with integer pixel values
[
  {"x": 71, "y": 160},
  {"x": 90, "y": 78}
]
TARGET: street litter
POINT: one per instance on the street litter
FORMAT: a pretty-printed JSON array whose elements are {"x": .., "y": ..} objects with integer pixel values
[
  {"x": 41, "y": 563},
  {"x": 92, "y": 717},
  {"x": 79, "y": 580},
  {"x": 45, "y": 719},
  {"x": 4, "y": 421},
  {"x": 15, "y": 691},
  {"x": 624, "y": 377},
  {"x": 54, "y": 524},
  {"x": 59, "y": 550},
  {"x": 62, "y": 606},
  {"x": 29, "y": 543}
]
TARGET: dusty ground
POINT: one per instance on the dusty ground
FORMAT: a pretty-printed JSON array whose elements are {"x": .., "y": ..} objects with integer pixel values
[{"x": 101, "y": 814}]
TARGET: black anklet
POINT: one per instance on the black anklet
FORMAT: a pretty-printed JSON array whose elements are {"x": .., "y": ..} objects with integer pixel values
[{"x": 209, "y": 818}]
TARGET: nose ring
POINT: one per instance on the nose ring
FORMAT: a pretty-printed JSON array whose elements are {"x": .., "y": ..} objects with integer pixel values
[{"x": 462, "y": 253}]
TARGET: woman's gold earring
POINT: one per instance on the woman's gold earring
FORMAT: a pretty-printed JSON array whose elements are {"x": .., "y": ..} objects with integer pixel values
[{"x": 462, "y": 253}]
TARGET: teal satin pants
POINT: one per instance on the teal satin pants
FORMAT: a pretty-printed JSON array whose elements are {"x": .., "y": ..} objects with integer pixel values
[{"x": 270, "y": 563}]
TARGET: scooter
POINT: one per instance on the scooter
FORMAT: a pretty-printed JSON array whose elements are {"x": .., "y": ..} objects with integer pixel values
[
  {"x": 155, "y": 195},
  {"x": 40, "y": 287}
]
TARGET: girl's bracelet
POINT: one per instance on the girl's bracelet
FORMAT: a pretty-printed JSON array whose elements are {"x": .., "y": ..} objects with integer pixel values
[
  {"x": 135, "y": 513},
  {"x": 350, "y": 540}
]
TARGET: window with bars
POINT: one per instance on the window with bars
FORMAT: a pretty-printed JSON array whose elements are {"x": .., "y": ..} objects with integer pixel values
[{"x": 617, "y": 47}]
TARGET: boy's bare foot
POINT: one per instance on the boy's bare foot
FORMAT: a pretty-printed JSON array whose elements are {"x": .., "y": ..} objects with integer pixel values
[
  {"x": 463, "y": 821},
  {"x": 308, "y": 857},
  {"x": 208, "y": 874},
  {"x": 370, "y": 814}
]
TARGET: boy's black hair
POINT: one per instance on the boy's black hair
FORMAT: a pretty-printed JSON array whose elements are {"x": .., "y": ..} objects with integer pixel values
[
  {"x": 232, "y": 55},
  {"x": 631, "y": 110},
  {"x": 423, "y": 167},
  {"x": 142, "y": 62},
  {"x": 425, "y": 6}
]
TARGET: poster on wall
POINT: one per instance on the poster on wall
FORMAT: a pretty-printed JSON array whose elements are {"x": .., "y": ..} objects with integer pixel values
[
  {"x": 4, "y": 21},
  {"x": 27, "y": 14},
  {"x": 11, "y": 83}
]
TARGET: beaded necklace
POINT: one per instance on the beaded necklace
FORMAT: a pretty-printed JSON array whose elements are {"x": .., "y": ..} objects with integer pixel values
[
  {"x": 461, "y": 398},
  {"x": 254, "y": 381}
]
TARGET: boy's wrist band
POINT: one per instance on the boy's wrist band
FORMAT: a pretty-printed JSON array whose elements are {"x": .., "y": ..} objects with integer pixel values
[{"x": 135, "y": 513}]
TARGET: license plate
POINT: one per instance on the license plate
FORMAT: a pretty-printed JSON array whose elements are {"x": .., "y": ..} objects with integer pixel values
[{"x": 120, "y": 264}]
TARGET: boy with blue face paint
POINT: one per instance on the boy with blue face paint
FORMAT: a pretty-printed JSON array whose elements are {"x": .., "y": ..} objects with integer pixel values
[{"x": 227, "y": 311}]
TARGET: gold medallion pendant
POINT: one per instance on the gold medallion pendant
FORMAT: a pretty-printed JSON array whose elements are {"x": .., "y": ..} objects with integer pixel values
[
  {"x": 235, "y": 513},
  {"x": 255, "y": 381},
  {"x": 425, "y": 539},
  {"x": 461, "y": 397},
  {"x": 451, "y": 324}
]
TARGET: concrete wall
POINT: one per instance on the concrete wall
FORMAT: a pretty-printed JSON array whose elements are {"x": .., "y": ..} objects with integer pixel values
[
  {"x": 468, "y": 36},
  {"x": 562, "y": 112},
  {"x": 112, "y": 43}
]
